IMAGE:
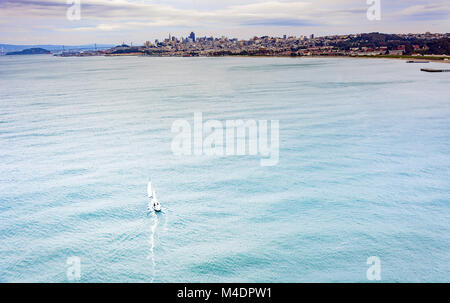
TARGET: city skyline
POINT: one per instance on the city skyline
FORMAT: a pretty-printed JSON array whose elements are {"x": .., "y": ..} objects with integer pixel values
[
  {"x": 105, "y": 21},
  {"x": 369, "y": 44}
]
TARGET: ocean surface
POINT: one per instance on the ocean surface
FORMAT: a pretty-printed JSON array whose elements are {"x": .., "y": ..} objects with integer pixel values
[{"x": 364, "y": 170}]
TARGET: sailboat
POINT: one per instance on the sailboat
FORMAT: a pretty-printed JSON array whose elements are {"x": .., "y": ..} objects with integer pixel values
[{"x": 154, "y": 202}]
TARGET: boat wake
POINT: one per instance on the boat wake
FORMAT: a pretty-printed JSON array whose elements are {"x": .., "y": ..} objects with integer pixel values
[
  {"x": 154, "y": 208},
  {"x": 151, "y": 255}
]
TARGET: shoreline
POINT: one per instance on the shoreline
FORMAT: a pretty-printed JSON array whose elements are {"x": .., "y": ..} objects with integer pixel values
[
  {"x": 382, "y": 57},
  {"x": 441, "y": 59}
]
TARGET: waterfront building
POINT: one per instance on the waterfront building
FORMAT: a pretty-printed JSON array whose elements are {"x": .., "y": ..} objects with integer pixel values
[{"x": 192, "y": 36}]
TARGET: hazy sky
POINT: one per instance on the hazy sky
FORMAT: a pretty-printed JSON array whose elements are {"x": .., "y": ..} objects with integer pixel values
[{"x": 116, "y": 21}]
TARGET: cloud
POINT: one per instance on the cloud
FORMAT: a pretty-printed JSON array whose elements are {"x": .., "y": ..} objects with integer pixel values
[
  {"x": 280, "y": 22},
  {"x": 427, "y": 12},
  {"x": 120, "y": 18}
]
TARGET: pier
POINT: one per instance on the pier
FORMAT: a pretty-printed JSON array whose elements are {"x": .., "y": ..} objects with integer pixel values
[{"x": 432, "y": 70}]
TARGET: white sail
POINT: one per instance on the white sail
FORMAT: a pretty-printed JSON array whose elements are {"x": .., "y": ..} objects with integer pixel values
[
  {"x": 149, "y": 189},
  {"x": 153, "y": 203},
  {"x": 155, "y": 199}
]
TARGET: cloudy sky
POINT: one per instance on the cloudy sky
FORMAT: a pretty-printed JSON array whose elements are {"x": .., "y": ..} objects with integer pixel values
[{"x": 116, "y": 21}]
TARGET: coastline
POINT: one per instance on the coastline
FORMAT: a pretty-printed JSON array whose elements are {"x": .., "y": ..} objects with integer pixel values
[
  {"x": 441, "y": 59},
  {"x": 435, "y": 59}
]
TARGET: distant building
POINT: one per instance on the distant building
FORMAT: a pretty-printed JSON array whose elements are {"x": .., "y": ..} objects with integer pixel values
[
  {"x": 396, "y": 52},
  {"x": 192, "y": 36}
]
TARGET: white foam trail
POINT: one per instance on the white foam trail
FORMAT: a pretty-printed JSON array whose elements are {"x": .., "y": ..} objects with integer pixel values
[{"x": 152, "y": 243}]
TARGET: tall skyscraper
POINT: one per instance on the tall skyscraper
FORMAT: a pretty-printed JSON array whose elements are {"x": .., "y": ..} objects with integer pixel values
[{"x": 192, "y": 36}]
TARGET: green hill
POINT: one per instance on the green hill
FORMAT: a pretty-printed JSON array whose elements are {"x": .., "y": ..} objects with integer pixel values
[{"x": 30, "y": 51}]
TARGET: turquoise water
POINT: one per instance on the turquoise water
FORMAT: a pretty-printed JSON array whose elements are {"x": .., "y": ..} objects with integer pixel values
[{"x": 364, "y": 171}]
